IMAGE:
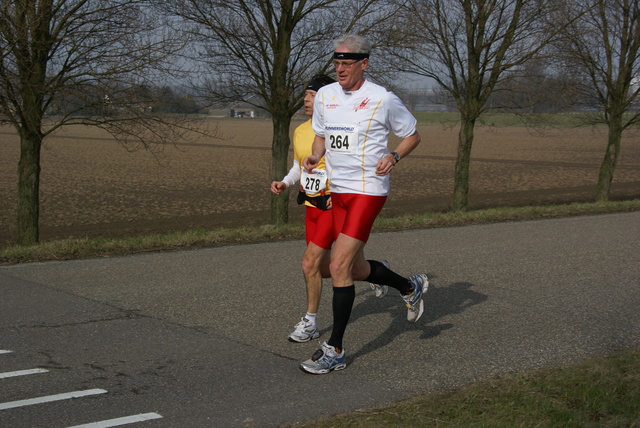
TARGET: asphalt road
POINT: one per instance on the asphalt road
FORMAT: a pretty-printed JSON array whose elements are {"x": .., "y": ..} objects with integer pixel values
[{"x": 198, "y": 338}]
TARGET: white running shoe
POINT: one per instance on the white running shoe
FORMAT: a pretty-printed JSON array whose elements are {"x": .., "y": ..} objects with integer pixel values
[
  {"x": 304, "y": 332},
  {"x": 324, "y": 360},
  {"x": 380, "y": 290},
  {"x": 414, "y": 302}
]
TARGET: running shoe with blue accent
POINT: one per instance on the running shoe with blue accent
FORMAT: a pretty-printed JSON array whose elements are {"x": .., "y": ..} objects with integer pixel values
[
  {"x": 414, "y": 302},
  {"x": 380, "y": 290},
  {"x": 325, "y": 360}
]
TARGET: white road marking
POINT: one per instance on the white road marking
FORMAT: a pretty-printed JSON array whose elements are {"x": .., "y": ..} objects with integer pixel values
[
  {"x": 49, "y": 398},
  {"x": 126, "y": 420},
  {"x": 22, "y": 373},
  {"x": 120, "y": 421}
]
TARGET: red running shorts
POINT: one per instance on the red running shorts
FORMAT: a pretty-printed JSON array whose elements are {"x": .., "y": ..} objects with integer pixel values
[
  {"x": 319, "y": 227},
  {"x": 354, "y": 214}
]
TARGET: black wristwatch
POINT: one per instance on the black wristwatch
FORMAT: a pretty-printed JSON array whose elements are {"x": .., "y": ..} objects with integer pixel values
[{"x": 395, "y": 156}]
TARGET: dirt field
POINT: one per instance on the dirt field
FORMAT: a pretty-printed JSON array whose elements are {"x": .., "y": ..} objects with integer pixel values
[{"x": 91, "y": 186}]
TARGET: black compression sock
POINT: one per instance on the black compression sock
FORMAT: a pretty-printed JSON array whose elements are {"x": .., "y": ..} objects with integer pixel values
[
  {"x": 343, "y": 298},
  {"x": 382, "y": 275}
]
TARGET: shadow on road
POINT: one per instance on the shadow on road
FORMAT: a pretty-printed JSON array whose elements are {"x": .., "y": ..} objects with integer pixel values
[{"x": 439, "y": 302}]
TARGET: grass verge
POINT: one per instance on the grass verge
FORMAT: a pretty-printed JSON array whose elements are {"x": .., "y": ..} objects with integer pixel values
[
  {"x": 74, "y": 248},
  {"x": 599, "y": 392}
]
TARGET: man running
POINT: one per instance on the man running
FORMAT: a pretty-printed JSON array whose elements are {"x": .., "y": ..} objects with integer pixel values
[
  {"x": 352, "y": 119},
  {"x": 315, "y": 194}
]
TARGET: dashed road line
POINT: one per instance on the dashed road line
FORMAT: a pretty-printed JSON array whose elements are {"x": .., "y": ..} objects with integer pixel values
[
  {"x": 125, "y": 420},
  {"x": 120, "y": 421},
  {"x": 22, "y": 373},
  {"x": 50, "y": 398}
]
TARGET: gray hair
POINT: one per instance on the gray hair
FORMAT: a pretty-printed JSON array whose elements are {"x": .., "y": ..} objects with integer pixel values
[{"x": 353, "y": 42}]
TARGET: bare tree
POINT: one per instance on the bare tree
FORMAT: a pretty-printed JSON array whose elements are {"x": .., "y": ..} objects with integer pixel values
[
  {"x": 83, "y": 60},
  {"x": 470, "y": 48},
  {"x": 262, "y": 52},
  {"x": 601, "y": 51}
]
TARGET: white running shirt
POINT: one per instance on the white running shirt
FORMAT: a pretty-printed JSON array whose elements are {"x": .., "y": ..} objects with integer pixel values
[{"x": 355, "y": 126}]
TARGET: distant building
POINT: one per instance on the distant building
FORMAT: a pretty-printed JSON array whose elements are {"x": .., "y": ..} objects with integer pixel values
[{"x": 242, "y": 112}]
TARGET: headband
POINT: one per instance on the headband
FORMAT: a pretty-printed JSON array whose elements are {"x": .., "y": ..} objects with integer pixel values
[
  {"x": 350, "y": 55},
  {"x": 314, "y": 85}
]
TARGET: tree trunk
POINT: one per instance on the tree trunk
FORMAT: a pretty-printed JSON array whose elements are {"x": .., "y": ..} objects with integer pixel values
[
  {"x": 463, "y": 160},
  {"x": 608, "y": 166},
  {"x": 29, "y": 187},
  {"x": 279, "y": 157}
]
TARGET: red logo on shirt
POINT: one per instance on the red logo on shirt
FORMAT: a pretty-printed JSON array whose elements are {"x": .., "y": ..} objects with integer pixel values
[{"x": 363, "y": 104}]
